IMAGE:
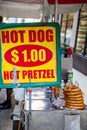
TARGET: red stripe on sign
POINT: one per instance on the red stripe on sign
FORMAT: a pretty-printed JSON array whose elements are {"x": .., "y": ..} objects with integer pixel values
[{"x": 67, "y": 1}]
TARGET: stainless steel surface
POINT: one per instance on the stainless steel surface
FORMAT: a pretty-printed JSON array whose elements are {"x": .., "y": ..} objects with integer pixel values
[{"x": 40, "y": 99}]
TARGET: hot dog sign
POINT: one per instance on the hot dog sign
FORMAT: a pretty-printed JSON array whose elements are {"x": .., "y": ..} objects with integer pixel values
[{"x": 30, "y": 54}]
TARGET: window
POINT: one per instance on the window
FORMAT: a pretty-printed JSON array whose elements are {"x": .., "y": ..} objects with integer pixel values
[
  {"x": 66, "y": 28},
  {"x": 81, "y": 41}
]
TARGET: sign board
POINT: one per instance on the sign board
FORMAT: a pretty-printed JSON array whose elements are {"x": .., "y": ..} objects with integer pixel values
[{"x": 30, "y": 55}]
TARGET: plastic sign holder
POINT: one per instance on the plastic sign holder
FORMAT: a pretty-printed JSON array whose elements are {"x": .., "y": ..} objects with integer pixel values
[{"x": 30, "y": 51}]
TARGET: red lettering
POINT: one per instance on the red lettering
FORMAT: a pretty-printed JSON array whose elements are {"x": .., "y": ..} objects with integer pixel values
[
  {"x": 5, "y": 37},
  {"x": 49, "y": 35},
  {"x": 11, "y": 75},
  {"x": 52, "y": 74},
  {"x": 14, "y": 36},
  {"x": 35, "y": 74},
  {"x": 44, "y": 74},
  {"x": 32, "y": 36},
  {"x": 24, "y": 73},
  {"x": 48, "y": 74},
  {"x": 41, "y": 36},
  {"x": 6, "y": 75},
  {"x": 21, "y": 32},
  {"x": 17, "y": 73},
  {"x": 30, "y": 76},
  {"x": 39, "y": 72}
]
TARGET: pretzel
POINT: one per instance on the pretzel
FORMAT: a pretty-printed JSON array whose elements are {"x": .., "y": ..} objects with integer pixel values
[
  {"x": 73, "y": 93},
  {"x": 73, "y": 97},
  {"x": 74, "y": 102},
  {"x": 74, "y": 107},
  {"x": 72, "y": 89}
]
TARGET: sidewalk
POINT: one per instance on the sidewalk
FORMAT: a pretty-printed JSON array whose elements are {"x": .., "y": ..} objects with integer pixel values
[{"x": 5, "y": 121}]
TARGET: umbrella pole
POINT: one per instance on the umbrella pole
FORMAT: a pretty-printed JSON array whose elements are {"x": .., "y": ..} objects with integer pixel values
[{"x": 55, "y": 11}]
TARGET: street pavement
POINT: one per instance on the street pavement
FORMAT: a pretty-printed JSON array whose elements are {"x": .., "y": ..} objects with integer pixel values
[{"x": 5, "y": 121}]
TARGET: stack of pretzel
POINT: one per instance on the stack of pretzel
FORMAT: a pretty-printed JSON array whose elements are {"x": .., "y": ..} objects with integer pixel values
[{"x": 73, "y": 97}]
